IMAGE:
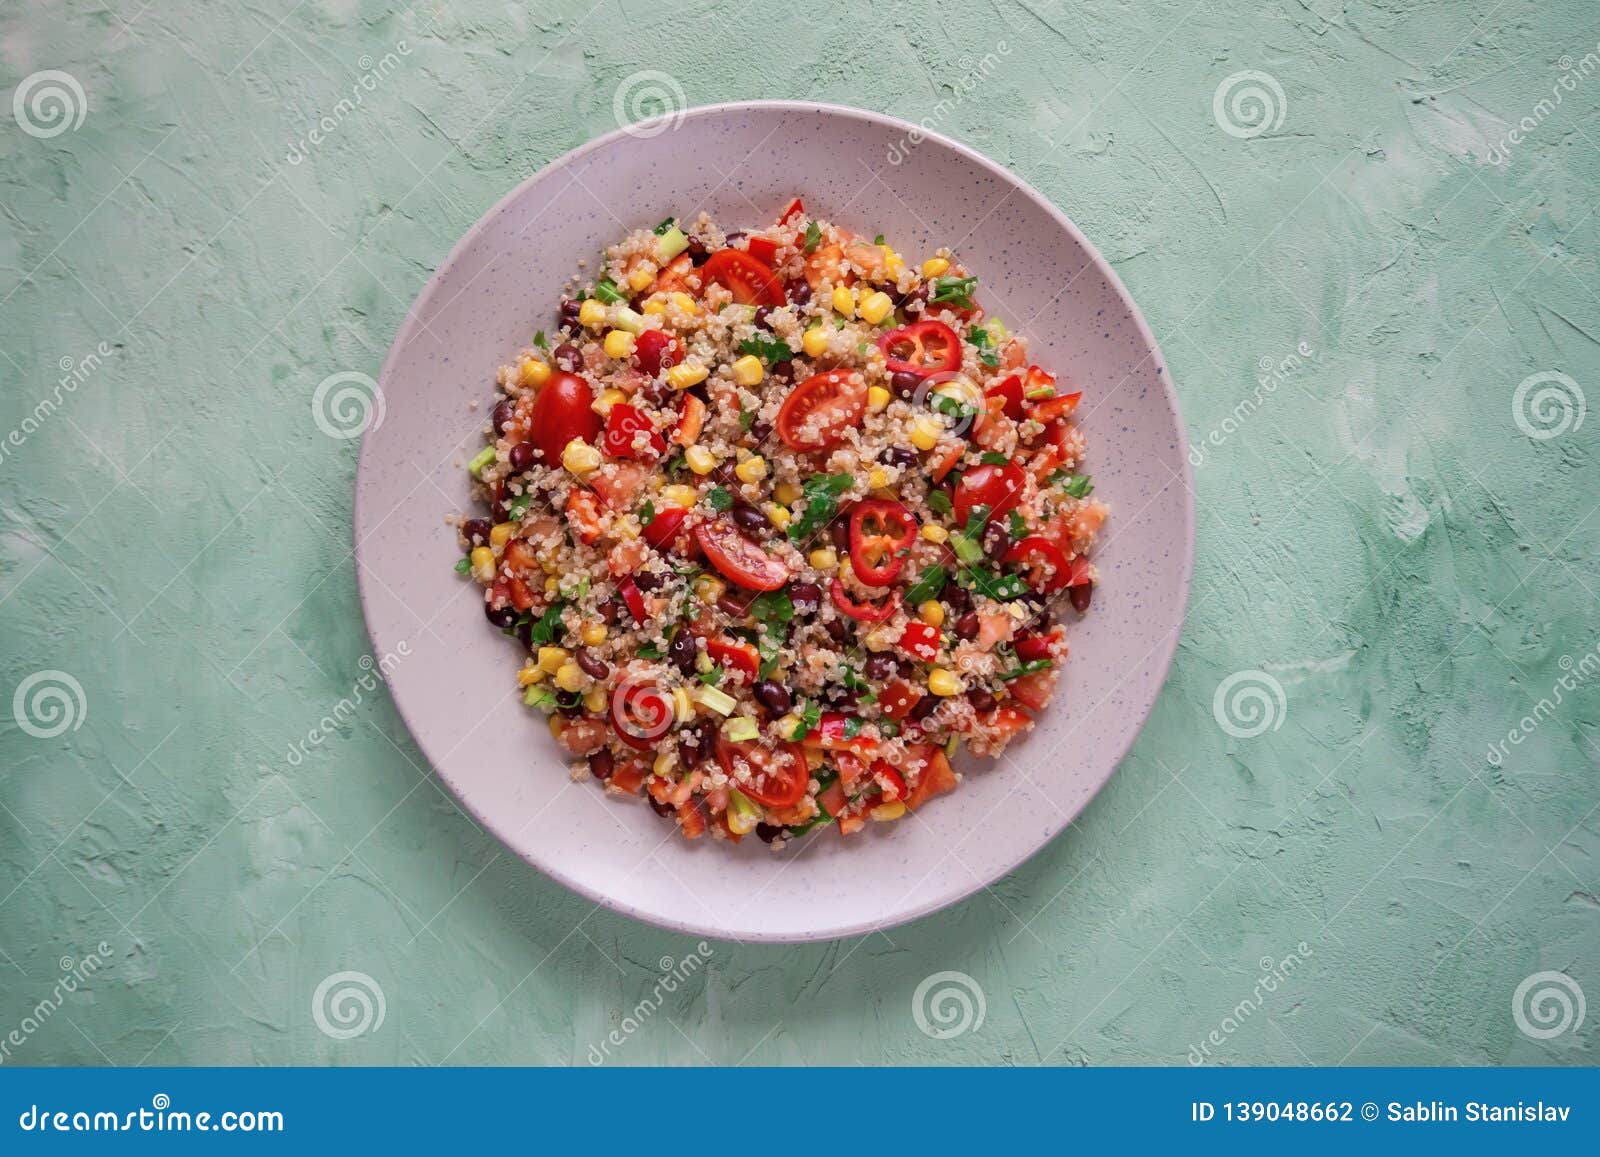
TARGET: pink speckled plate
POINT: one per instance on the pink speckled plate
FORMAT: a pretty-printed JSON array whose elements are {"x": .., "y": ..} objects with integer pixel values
[{"x": 453, "y": 677}]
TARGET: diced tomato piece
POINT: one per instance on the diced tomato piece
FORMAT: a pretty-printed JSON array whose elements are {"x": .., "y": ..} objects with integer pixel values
[
  {"x": 629, "y": 434},
  {"x": 897, "y": 699},
  {"x": 937, "y": 775},
  {"x": 522, "y": 596},
  {"x": 893, "y": 784},
  {"x": 657, "y": 350},
  {"x": 944, "y": 461},
  {"x": 852, "y": 770},
  {"x": 920, "y": 641},
  {"x": 679, "y": 276},
  {"x": 735, "y": 655},
  {"x": 1034, "y": 691},
  {"x": 993, "y": 730},
  {"x": 738, "y": 559},
  {"x": 997, "y": 487},
  {"x": 831, "y": 735},
  {"x": 628, "y": 776},
  {"x": 618, "y": 482},
  {"x": 816, "y": 413},
  {"x": 826, "y": 266},
  {"x": 692, "y": 820},
  {"x": 993, "y": 629},
  {"x": 625, "y": 558},
  {"x": 520, "y": 557},
  {"x": 664, "y": 527},
  {"x": 583, "y": 513},
  {"x": 832, "y": 799}
]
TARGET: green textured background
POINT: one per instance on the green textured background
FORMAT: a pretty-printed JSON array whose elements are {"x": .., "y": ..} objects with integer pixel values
[{"x": 1377, "y": 535}]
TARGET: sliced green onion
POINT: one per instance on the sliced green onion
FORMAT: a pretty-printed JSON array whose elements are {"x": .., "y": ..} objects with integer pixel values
[{"x": 483, "y": 458}]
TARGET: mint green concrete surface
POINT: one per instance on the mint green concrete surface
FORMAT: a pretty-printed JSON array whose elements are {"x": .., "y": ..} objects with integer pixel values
[{"x": 1362, "y": 816}]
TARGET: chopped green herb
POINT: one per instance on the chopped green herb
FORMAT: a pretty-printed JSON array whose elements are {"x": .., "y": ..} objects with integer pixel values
[
  {"x": 852, "y": 726},
  {"x": 712, "y": 677},
  {"x": 956, "y": 291},
  {"x": 928, "y": 586},
  {"x": 541, "y": 697},
  {"x": 810, "y": 717},
  {"x": 951, "y": 407},
  {"x": 576, "y": 590},
  {"x": 606, "y": 290},
  {"x": 675, "y": 465},
  {"x": 539, "y": 340},
  {"x": 772, "y": 607},
  {"x": 463, "y": 566},
  {"x": 481, "y": 459},
  {"x": 1078, "y": 486},
  {"x": 721, "y": 500},
  {"x": 939, "y": 502},
  {"x": 549, "y": 627},
  {"x": 767, "y": 349},
  {"x": 662, "y": 228},
  {"x": 1000, "y": 587},
  {"x": 993, "y": 458},
  {"x": 747, "y": 418},
  {"x": 1019, "y": 525},
  {"x": 878, "y": 240},
  {"x": 647, "y": 513},
  {"x": 648, "y": 651},
  {"x": 889, "y": 727},
  {"x": 821, "y": 496},
  {"x": 1027, "y": 668},
  {"x": 519, "y": 506},
  {"x": 813, "y": 236}
]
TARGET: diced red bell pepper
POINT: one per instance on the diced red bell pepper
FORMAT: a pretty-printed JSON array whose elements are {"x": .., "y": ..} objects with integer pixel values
[
  {"x": 664, "y": 527},
  {"x": 763, "y": 250},
  {"x": 624, "y": 427},
  {"x": 920, "y": 641},
  {"x": 634, "y": 599},
  {"x": 1057, "y": 407},
  {"x": 734, "y": 655},
  {"x": 897, "y": 699},
  {"x": 796, "y": 209}
]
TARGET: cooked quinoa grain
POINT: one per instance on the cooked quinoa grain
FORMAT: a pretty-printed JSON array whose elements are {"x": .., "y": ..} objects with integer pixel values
[{"x": 778, "y": 522}]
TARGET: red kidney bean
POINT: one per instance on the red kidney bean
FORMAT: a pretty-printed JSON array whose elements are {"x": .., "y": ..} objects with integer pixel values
[
  {"x": 761, "y": 431},
  {"x": 925, "y": 707},
  {"x": 568, "y": 357},
  {"x": 766, "y": 832},
  {"x": 799, "y": 293},
  {"x": 697, "y": 251},
  {"x": 773, "y": 696},
  {"x": 967, "y": 626},
  {"x": 682, "y": 651},
  {"x": 521, "y": 457},
  {"x": 749, "y": 519},
  {"x": 980, "y": 699},
  {"x": 806, "y": 597},
  {"x": 880, "y": 667},
  {"x": 601, "y": 764},
  {"x": 591, "y": 664},
  {"x": 504, "y": 411},
  {"x": 569, "y": 312},
  {"x": 905, "y": 383},
  {"x": 477, "y": 531},
  {"x": 899, "y": 456},
  {"x": 661, "y": 809},
  {"x": 763, "y": 315},
  {"x": 1080, "y": 596}
]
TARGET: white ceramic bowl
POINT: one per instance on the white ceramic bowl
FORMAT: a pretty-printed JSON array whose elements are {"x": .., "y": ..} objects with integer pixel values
[{"x": 453, "y": 676}]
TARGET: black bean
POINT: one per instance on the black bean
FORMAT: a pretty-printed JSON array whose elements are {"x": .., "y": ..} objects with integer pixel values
[
  {"x": 880, "y": 668},
  {"x": 806, "y": 597},
  {"x": 568, "y": 357},
  {"x": 781, "y": 371},
  {"x": 1080, "y": 596},
  {"x": 500, "y": 616},
  {"x": 477, "y": 531},
  {"x": 504, "y": 411},
  {"x": 955, "y": 596},
  {"x": 766, "y": 833},
  {"x": 905, "y": 383},
  {"x": 996, "y": 539},
  {"x": 609, "y": 611},
  {"x": 569, "y": 702},
  {"x": 839, "y": 532},
  {"x": 661, "y": 809},
  {"x": 697, "y": 251},
  {"x": 736, "y": 602},
  {"x": 750, "y": 519},
  {"x": 736, "y": 236},
  {"x": 899, "y": 456},
  {"x": 904, "y": 300},
  {"x": 591, "y": 664},
  {"x": 980, "y": 699},
  {"x": 760, "y": 431},
  {"x": 967, "y": 626},
  {"x": 521, "y": 457},
  {"x": 773, "y": 696},
  {"x": 695, "y": 743},
  {"x": 601, "y": 763},
  {"x": 648, "y": 580},
  {"x": 837, "y": 631},
  {"x": 763, "y": 315},
  {"x": 925, "y": 707},
  {"x": 569, "y": 311},
  {"x": 723, "y": 475},
  {"x": 682, "y": 651},
  {"x": 799, "y": 293}
]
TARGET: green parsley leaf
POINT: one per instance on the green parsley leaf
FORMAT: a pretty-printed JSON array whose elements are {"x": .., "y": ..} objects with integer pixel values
[
  {"x": 939, "y": 502},
  {"x": 648, "y": 651},
  {"x": 541, "y": 697},
  {"x": 1027, "y": 668},
  {"x": 1078, "y": 486},
  {"x": 1019, "y": 525},
  {"x": 721, "y": 500},
  {"x": 989, "y": 358},
  {"x": 463, "y": 566},
  {"x": 956, "y": 291},
  {"x": 606, "y": 290},
  {"x": 928, "y": 586},
  {"x": 993, "y": 458},
  {"x": 813, "y": 236},
  {"x": 675, "y": 465},
  {"x": 549, "y": 628},
  {"x": 878, "y": 240},
  {"x": 852, "y": 726},
  {"x": 747, "y": 418},
  {"x": 768, "y": 350},
  {"x": 821, "y": 496},
  {"x": 772, "y": 607},
  {"x": 712, "y": 677},
  {"x": 539, "y": 340},
  {"x": 519, "y": 506},
  {"x": 810, "y": 717},
  {"x": 647, "y": 513}
]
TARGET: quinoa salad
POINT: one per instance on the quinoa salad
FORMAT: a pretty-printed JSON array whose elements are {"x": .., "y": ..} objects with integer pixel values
[{"x": 779, "y": 519}]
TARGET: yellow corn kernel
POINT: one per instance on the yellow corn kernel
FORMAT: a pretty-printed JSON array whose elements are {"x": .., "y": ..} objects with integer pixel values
[
  {"x": 748, "y": 371},
  {"x": 700, "y": 460},
  {"x": 619, "y": 344},
  {"x": 682, "y": 704},
  {"x": 788, "y": 725},
  {"x": 876, "y": 306},
  {"x": 935, "y": 267},
  {"x": 500, "y": 533},
  {"x": 551, "y": 658},
  {"x": 779, "y": 516},
  {"x": 823, "y": 558},
  {"x": 932, "y": 613},
  {"x": 591, "y": 313},
  {"x": 482, "y": 560},
  {"x": 933, "y": 532},
  {"x": 844, "y": 564},
  {"x": 595, "y": 700},
  {"x": 558, "y": 724},
  {"x": 892, "y": 810},
  {"x": 529, "y": 675},
  {"x": 880, "y": 639},
  {"x": 533, "y": 372},
  {"x": 593, "y": 634},
  {"x": 925, "y": 432},
  {"x": 654, "y": 305},
  {"x": 844, "y": 301},
  {"x": 877, "y": 478},
  {"x": 664, "y": 763},
  {"x": 570, "y": 677},
  {"x": 878, "y": 399},
  {"x": 787, "y": 493},
  {"x": 752, "y": 469},
  {"x": 684, "y": 302},
  {"x": 608, "y": 398},
  {"x": 551, "y": 584},
  {"x": 686, "y": 375},
  {"x": 641, "y": 277},
  {"x": 944, "y": 682},
  {"x": 710, "y": 588},
  {"x": 893, "y": 263},
  {"x": 679, "y": 495},
  {"x": 625, "y": 528},
  {"x": 814, "y": 341},
  {"x": 580, "y": 457}
]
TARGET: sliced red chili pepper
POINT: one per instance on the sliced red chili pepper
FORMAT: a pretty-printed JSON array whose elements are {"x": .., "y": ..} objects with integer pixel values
[
  {"x": 1048, "y": 569},
  {"x": 1032, "y": 646},
  {"x": 734, "y": 655},
  {"x": 881, "y": 531},
  {"x": 923, "y": 348},
  {"x": 920, "y": 641},
  {"x": 634, "y": 598},
  {"x": 624, "y": 425},
  {"x": 664, "y": 527},
  {"x": 865, "y": 612}
]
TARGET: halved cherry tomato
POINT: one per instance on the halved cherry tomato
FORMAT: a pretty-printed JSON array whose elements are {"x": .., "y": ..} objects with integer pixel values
[
  {"x": 820, "y": 409},
  {"x": 1057, "y": 407},
  {"x": 583, "y": 513},
  {"x": 897, "y": 699},
  {"x": 634, "y": 599},
  {"x": 623, "y": 426},
  {"x": 628, "y": 776},
  {"x": 656, "y": 351},
  {"x": 774, "y": 775},
  {"x": 641, "y": 712},
  {"x": 852, "y": 770},
  {"x": 997, "y": 487},
  {"x": 920, "y": 641},
  {"x": 664, "y": 527},
  {"x": 796, "y": 208},
  {"x": 1032, "y": 646},
  {"x": 1048, "y": 569},
  {"x": 561, "y": 412},
  {"x": 763, "y": 251},
  {"x": 924, "y": 347},
  {"x": 691, "y": 420},
  {"x": 734, "y": 655},
  {"x": 739, "y": 559},
  {"x": 1009, "y": 390},
  {"x": 750, "y": 280},
  {"x": 865, "y": 612},
  {"x": 881, "y": 531}
]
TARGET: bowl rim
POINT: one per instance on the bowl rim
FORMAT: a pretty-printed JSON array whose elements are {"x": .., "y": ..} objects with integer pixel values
[{"x": 1168, "y": 649}]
